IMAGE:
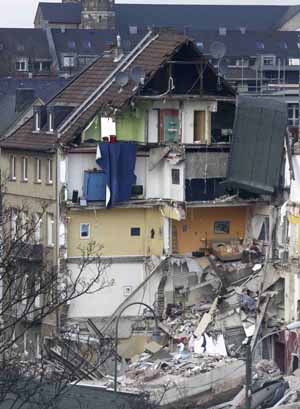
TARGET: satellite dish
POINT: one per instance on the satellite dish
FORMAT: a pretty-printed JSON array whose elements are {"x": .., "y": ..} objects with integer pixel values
[
  {"x": 223, "y": 67},
  {"x": 217, "y": 50},
  {"x": 122, "y": 79},
  {"x": 137, "y": 75}
]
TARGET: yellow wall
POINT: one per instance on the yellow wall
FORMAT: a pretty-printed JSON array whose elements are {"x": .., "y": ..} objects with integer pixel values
[
  {"x": 30, "y": 188},
  {"x": 190, "y": 234},
  {"x": 111, "y": 228}
]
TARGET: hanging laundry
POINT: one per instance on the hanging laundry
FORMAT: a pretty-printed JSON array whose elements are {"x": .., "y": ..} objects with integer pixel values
[{"x": 118, "y": 162}]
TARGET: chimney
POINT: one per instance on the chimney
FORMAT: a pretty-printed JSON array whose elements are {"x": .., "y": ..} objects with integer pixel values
[
  {"x": 24, "y": 98},
  {"x": 118, "y": 50}
]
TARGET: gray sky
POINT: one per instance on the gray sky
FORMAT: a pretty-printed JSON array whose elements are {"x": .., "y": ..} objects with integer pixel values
[{"x": 20, "y": 13}]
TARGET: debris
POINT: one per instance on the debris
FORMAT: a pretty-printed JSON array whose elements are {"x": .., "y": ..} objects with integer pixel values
[{"x": 152, "y": 347}]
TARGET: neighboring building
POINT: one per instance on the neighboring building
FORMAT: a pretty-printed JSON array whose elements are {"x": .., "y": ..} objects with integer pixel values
[
  {"x": 58, "y": 15},
  {"x": 24, "y": 53},
  {"x": 135, "y": 17}
]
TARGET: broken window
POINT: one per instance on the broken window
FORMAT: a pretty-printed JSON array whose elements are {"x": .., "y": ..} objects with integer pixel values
[
  {"x": 169, "y": 125},
  {"x": 199, "y": 127},
  {"x": 135, "y": 231},
  {"x": 222, "y": 227},
  {"x": 175, "y": 174},
  {"x": 264, "y": 232}
]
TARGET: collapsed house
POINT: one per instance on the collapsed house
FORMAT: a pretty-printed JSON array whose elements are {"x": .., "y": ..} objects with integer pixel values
[{"x": 152, "y": 156}]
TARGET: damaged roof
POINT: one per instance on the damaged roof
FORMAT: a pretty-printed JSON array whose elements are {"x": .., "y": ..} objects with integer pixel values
[
  {"x": 95, "y": 88},
  {"x": 257, "y": 147}
]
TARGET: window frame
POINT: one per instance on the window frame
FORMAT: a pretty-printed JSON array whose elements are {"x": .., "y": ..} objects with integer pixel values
[
  {"x": 38, "y": 170},
  {"x": 218, "y": 231},
  {"x": 89, "y": 231},
  {"x": 13, "y": 167},
  {"x": 175, "y": 176},
  {"x": 134, "y": 230},
  {"x": 50, "y": 230},
  {"x": 24, "y": 165},
  {"x": 50, "y": 171}
]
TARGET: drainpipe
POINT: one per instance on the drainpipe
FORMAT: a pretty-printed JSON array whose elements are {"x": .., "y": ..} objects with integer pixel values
[{"x": 57, "y": 218}]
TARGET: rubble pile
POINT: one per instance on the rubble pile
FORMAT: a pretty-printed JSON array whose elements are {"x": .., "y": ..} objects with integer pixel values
[{"x": 147, "y": 367}]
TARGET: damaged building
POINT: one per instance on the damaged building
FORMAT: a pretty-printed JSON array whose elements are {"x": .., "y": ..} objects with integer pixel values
[{"x": 184, "y": 186}]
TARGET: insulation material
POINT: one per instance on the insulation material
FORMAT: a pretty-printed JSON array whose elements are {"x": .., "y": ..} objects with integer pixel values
[{"x": 206, "y": 165}]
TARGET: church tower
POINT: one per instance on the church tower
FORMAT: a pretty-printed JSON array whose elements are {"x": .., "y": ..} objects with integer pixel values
[{"x": 98, "y": 14}]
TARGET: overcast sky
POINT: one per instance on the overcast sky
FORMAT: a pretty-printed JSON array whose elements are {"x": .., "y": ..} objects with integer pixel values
[{"x": 20, "y": 13}]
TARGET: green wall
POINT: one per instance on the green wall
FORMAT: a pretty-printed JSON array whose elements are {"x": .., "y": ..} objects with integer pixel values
[{"x": 131, "y": 123}]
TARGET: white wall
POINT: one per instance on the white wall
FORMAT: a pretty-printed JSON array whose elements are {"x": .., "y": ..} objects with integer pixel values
[
  {"x": 295, "y": 184},
  {"x": 188, "y": 118},
  {"x": 106, "y": 301},
  {"x": 77, "y": 163},
  {"x": 159, "y": 181}
]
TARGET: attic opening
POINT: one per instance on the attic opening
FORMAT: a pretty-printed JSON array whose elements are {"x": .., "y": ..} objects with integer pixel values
[{"x": 187, "y": 73}]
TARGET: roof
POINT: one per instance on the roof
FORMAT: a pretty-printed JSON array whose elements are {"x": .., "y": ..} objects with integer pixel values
[
  {"x": 251, "y": 43},
  {"x": 200, "y": 16},
  {"x": 82, "y": 41},
  {"x": 204, "y": 17},
  {"x": 27, "y": 42},
  {"x": 95, "y": 88},
  {"x": 69, "y": 13},
  {"x": 41, "y": 88}
]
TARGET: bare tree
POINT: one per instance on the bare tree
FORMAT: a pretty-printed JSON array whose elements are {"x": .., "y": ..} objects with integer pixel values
[{"x": 34, "y": 289}]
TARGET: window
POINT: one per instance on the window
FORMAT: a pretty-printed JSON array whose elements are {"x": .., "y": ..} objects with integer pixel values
[
  {"x": 38, "y": 347},
  {"x": 13, "y": 224},
  {"x": 133, "y": 29},
  {"x": 269, "y": 60},
  {"x": 71, "y": 44},
  {"x": 24, "y": 170},
  {"x": 37, "y": 224},
  {"x": 22, "y": 64},
  {"x": 24, "y": 295},
  {"x": 69, "y": 61},
  {"x": 38, "y": 170},
  {"x": 199, "y": 127},
  {"x": 51, "y": 125},
  {"x": 13, "y": 170},
  {"x": 87, "y": 44},
  {"x": 222, "y": 227},
  {"x": 135, "y": 231},
  {"x": 42, "y": 66},
  {"x": 260, "y": 45},
  {"x": 50, "y": 171},
  {"x": 50, "y": 229},
  {"x": 294, "y": 61},
  {"x": 293, "y": 114},
  {"x": 37, "y": 121},
  {"x": 84, "y": 230},
  {"x": 175, "y": 174}
]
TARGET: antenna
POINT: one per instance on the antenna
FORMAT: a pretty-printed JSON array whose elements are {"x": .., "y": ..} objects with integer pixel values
[
  {"x": 138, "y": 75},
  {"x": 122, "y": 79},
  {"x": 217, "y": 50}
]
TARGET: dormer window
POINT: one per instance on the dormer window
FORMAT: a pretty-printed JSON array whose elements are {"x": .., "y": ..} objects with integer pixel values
[
  {"x": 22, "y": 64},
  {"x": 51, "y": 120},
  {"x": 37, "y": 120}
]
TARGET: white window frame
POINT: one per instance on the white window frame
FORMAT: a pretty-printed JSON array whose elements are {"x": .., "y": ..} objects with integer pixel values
[
  {"x": 14, "y": 229},
  {"x": 51, "y": 127},
  {"x": 37, "y": 121},
  {"x": 69, "y": 61},
  {"x": 13, "y": 167},
  {"x": 50, "y": 230},
  {"x": 89, "y": 231},
  {"x": 50, "y": 171},
  {"x": 24, "y": 169},
  {"x": 38, "y": 346},
  {"x": 38, "y": 170},
  {"x": 19, "y": 64}
]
